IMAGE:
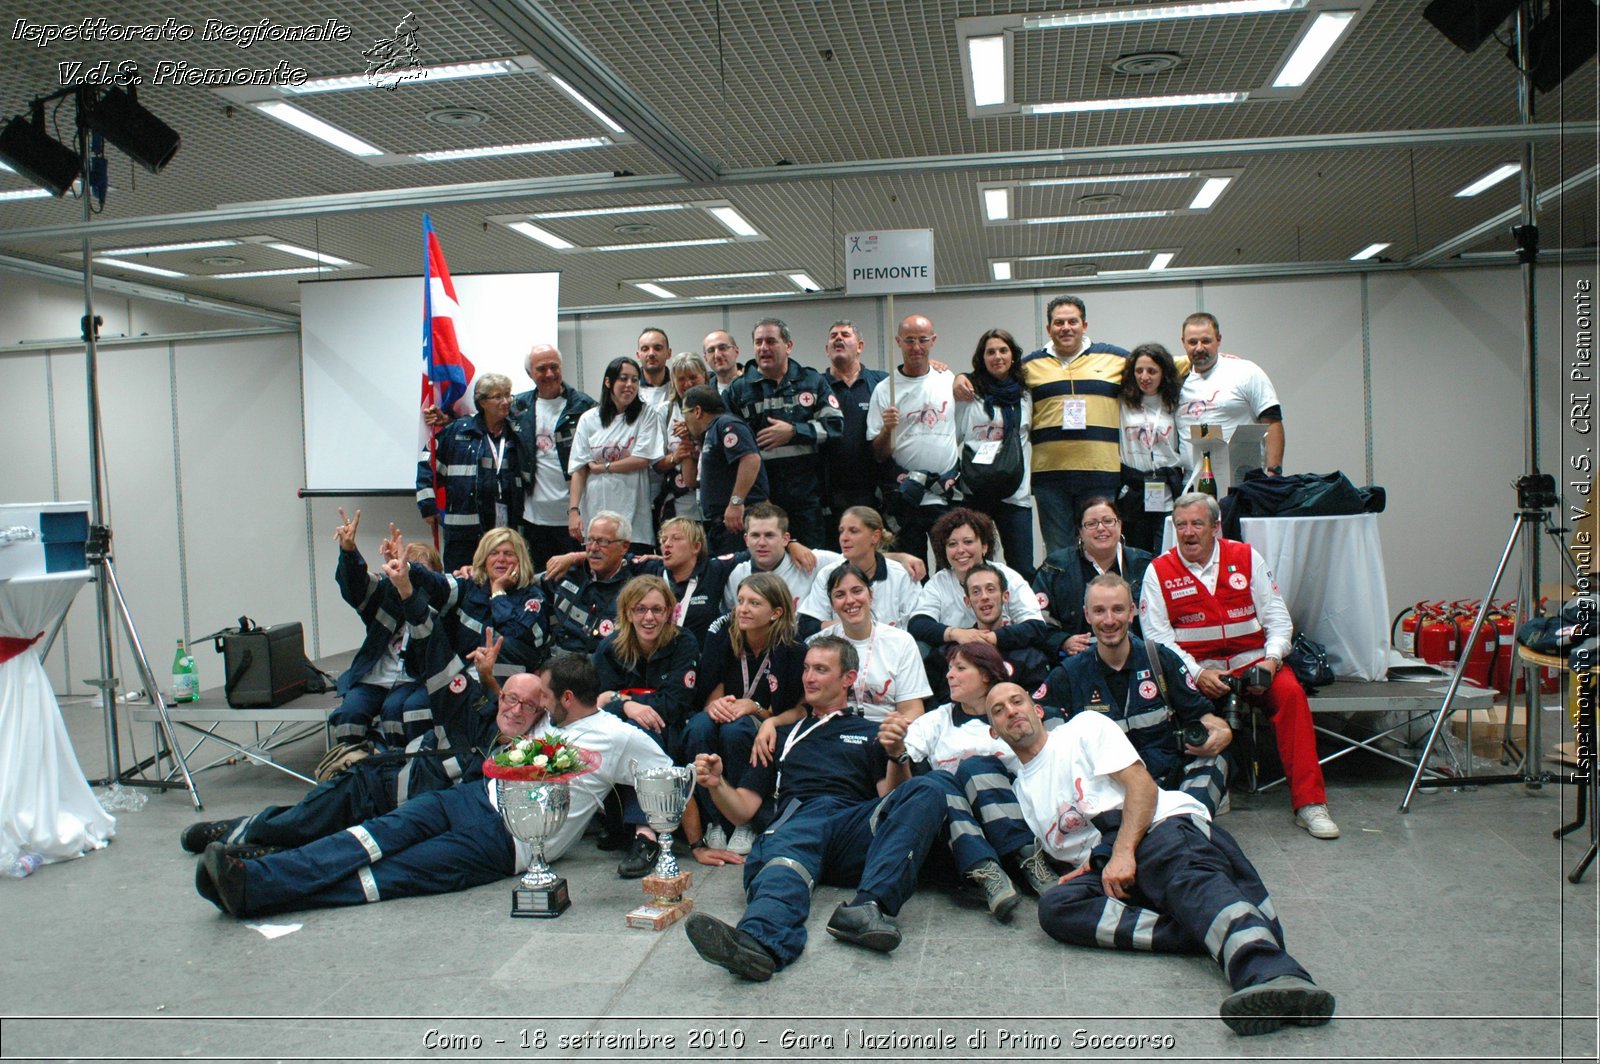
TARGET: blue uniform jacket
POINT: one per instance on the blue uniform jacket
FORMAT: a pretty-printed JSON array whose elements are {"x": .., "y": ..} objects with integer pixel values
[
  {"x": 665, "y": 680},
  {"x": 524, "y": 423},
  {"x": 471, "y": 485}
]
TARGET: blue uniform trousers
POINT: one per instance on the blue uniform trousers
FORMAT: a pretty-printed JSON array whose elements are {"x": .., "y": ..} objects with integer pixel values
[
  {"x": 439, "y": 842},
  {"x": 876, "y": 846},
  {"x": 1195, "y": 892},
  {"x": 365, "y": 790},
  {"x": 402, "y": 713},
  {"x": 1205, "y": 779},
  {"x": 732, "y": 741},
  {"x": 985, "y": 820}
]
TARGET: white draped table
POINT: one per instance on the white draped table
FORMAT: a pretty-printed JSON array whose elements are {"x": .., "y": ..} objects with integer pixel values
[{"x": 46, "y": 805}]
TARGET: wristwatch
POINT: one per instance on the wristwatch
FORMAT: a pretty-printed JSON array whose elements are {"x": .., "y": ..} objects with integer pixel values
[
  {"x": 1275, "y": 470},
  {"x": 903, "y": 759},
  {"x": 735, "y": 500}
]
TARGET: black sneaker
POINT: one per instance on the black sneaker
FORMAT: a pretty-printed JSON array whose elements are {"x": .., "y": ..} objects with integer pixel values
[
  {"x": 249, "y": 851},
  {"x": 196, "y": 837},
  {"x": 726, "y": 946},
  {"x": 641, "y": 858},
  {"x": 1268, "y": 1006},
  {"x": 227, "y": 878},
  {"x": 999, "y": 895},
  {"x": 864, "y": 924}
]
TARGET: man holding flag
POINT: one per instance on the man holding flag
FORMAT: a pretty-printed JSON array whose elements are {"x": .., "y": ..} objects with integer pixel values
[{"x": 469, "y": 479}]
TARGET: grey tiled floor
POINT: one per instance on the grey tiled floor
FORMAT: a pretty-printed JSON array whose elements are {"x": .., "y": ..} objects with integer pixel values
[{"x": 1449, "y": 933}]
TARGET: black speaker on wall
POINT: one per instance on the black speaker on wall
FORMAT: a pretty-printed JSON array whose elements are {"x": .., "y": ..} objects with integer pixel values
[
  {"x": 1560, "y": 43},
  {"x": 1468, "y": 23}
]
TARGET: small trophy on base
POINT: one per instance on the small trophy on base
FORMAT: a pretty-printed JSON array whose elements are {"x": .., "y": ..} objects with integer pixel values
[
  {"x": 533, "y": 811},
  {"x": 663, "y": 795}
]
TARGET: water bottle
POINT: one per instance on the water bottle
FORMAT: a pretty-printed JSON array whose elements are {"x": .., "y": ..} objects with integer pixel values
[
  {"x": 24, "y": 866},
  {"x": 185, "y": 679}
]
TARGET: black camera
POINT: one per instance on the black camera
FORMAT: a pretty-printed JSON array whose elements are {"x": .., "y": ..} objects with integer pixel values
[
  {"x": 1255, "y": 678},
  {"x": 1194, "y": 734}
]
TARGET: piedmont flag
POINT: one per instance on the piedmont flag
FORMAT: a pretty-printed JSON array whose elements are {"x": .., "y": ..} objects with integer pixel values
[{"x": 446, "y": 371}]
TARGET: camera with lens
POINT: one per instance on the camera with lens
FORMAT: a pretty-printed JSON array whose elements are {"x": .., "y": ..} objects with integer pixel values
[
  {"x": 1194, "y": 734},
  {"x": 1255, "y": 678}
]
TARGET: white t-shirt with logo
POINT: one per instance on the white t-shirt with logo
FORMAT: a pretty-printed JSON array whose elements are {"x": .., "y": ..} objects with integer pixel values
[
  {"x": 625, "y": 493},
  {"x": 926, "y": 437},
  {"x": 935, "y": 738},
  {"x": 974, "y": 425},
  {"x": 1069, "y": 783},
  {"x": 800, "y": 582},
  {"x": 1233, "y": 393},
  {"x": 618, "y": 743},
  {"x": 889, "y": 670},
  {"x": 548, "y": 503},
  {"x": 893, "y": 597}
]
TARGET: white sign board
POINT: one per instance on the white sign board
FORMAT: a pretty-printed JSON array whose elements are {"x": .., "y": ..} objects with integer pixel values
[{"x": 888, "y": 261}]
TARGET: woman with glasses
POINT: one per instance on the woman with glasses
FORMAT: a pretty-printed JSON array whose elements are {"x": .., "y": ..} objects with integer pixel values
[
  {"x": 751, "y": 665},
  {"x": 1155, "y": 450},
  {"x": 647, "y": 665},
  {"x": 1064, "y": 574},
  {"x": 612, "y": 449},
  {"x": 478, "y": 478}
]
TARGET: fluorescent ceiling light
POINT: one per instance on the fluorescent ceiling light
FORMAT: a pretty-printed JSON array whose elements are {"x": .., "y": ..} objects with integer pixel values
[
  {"x": 1489, "y": 180},
  {"x": 151, "y": 249},
  {"x": 587, "y": 104},
  {"x": 443, "y": 72},
  {"x": 702, "y": 242},
  {"x": 531, "y": 148},
  {"x": 735, "y": 221},
  {"x": 308, "y": 123},
  {"x": 1156, "y": 13},
  {"x": 1209, "y": 193},
  {"x": 1106, "y": 179},
  {"x": 1368, "y": 252},
  {"x": 719, "y": 276},
  {"x": 1163, "y": 260},
  {"x": 1326, "y": 29},
  {"x": 593, "y": 212},
  {"x": 6, "y": 168},
  {"x": 655, "y": 290},
  {"x": 1001, "y": 270},
  {"x": 140, "y": 267},
  {"x": 1085, "y": 255},
  {"x": 307, "y": 253},
  {"x": 1115, "y": 216},
  {"x": 543, "y": 236},
  {"x": 25, "y": 193},
  {"x": 997, "y": 203},
  {"x": 804, "y": 282},
  {"x": 261, "y": 273},
  {"x": 1128, "y": 103},
  {"x": 744, "y": 295},
  {"x": 986, "y": 58}
]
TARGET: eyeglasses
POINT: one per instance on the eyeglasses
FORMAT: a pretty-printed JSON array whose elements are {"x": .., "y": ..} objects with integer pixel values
[
  {"x": 649, "y": 611},
  {"x": 497, "y": 397},
  {"x": 921, "y": 341},
  {"x": 513, "y": 702},
  {"x": 1100, "y": 522},
  {"x": 601, "y": 541}
]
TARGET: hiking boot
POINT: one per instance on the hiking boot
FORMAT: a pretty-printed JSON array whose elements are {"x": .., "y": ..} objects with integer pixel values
[
  {"x": 1267, "y": 1006},
  {"x": 864, "y": 924},
  {"x": 998, "y": 893}
]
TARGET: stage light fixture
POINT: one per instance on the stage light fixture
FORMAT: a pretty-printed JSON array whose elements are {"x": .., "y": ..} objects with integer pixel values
[
  {"x": 1559, "y": 43},
  {"x": 1468, "y": 23},
  {"x": 35, "y": 155},
  {"x": 118, "y": 116}
]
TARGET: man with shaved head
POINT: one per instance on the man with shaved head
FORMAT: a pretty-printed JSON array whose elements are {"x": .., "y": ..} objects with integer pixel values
[
  {"x": 544, "y": 420},
  {"x": 912, "y": 422},
  {"x": 1149, "y": 869}
]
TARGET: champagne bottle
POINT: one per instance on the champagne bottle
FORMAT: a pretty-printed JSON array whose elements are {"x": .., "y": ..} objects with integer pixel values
[
  {"x": 1208, "y": 481},
  {"x": 185, "y": 678}
]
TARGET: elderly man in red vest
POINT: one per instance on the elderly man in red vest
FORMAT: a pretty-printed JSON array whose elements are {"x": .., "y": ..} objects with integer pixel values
[{"x": 1216, "y": 603}]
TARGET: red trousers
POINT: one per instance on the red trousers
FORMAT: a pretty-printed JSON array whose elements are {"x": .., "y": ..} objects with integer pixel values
[{"x": 1286, "y": 706}]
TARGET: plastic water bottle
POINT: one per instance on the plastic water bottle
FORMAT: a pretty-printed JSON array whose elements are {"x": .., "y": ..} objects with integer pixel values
[
  {"x": 25, "y": 865},
  {"x": 185, "y": 679}
]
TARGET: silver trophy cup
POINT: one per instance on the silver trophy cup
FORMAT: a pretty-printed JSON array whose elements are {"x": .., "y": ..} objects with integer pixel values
[
  {"x": 663, "y": 795},
  {"x": 533, "y": 811}
]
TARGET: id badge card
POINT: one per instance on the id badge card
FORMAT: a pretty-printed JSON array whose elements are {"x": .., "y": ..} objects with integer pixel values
[
  {"x": 500, "y": 515},
  {"x": 986, "y": 452},
  {"x": 1157, "y": 498},
  {"x": 1075, "y": 413}
]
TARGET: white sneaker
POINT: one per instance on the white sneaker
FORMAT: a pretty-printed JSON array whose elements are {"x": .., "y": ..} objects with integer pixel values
[
  {"x": 743, "y": 840},
  {"x": 1315, "y": 819},
  {"x": 716, "y": 838}
]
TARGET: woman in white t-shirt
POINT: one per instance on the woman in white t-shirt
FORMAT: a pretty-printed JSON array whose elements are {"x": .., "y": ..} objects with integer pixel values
[
  {"x": 1155, "y": 453},
  {"x": 862, "y": 538},
  {"x": 612, "y": 449},
  {"x": 678, "y": 496},
  {"x": 1002, "y": 407}
]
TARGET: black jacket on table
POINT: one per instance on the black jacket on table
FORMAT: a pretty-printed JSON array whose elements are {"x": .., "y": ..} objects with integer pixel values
[{"x": 664, "y": 681}]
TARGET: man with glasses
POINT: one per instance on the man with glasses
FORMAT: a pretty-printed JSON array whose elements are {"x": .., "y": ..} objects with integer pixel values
[
  {"x": 721, "y": 352},
  {"x": 795, "y": 417},
  {"x": 479, "y": 482},
  {"x": 585, "y": 595},
  {"x": 1215, "y": 602},
  {"x": 916, "y": 429}
]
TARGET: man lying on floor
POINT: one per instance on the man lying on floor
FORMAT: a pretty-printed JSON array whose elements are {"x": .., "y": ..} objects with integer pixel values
[{"x": 444, "y": 840}]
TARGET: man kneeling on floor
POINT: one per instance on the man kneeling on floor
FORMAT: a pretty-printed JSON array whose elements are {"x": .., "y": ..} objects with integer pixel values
[
  {"x": 835, "y": 821},
  {"x": 1152, "y": 872},
  {"x": 444, "y": 840}
]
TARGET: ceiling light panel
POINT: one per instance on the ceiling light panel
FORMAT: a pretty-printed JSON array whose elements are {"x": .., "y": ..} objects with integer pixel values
[
  {"x": 1368, "y": 252},
  {"x": 1158, "y": 12},
  {"x": 1323, "y": 35},
  {"x": 311, "y": 125},
  {"x": 137, "y": 267},
  {"x": 429, "y": 74},
  {"x": 654, "y": 289},
  {"x": 1489, "y": 180}
]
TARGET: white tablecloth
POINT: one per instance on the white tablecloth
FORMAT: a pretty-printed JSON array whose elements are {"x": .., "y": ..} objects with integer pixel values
[
  {"x": 1330, "y": 570},
  {"x": 45, "y": 803}
]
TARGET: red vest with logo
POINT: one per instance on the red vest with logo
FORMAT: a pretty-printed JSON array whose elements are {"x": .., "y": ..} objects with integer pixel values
[{"x": 1220, "y": 629}]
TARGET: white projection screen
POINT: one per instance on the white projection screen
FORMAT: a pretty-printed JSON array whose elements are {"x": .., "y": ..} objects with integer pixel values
[{"x": 361, "y": 344}]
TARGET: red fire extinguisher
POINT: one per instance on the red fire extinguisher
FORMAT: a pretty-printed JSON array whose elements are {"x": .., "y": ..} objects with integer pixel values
[
  {"x": 1436, "y": 637},
  {"x": 1479, "y": 646}
]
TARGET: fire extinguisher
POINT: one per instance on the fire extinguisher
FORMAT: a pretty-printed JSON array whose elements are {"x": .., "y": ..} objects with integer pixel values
[
  {"x": 1405, "y": 624},
  {"x": 1502, "y": 669},
  {"x": 1436, "y": 637},
  {"x": 1479, "y": 646}
]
